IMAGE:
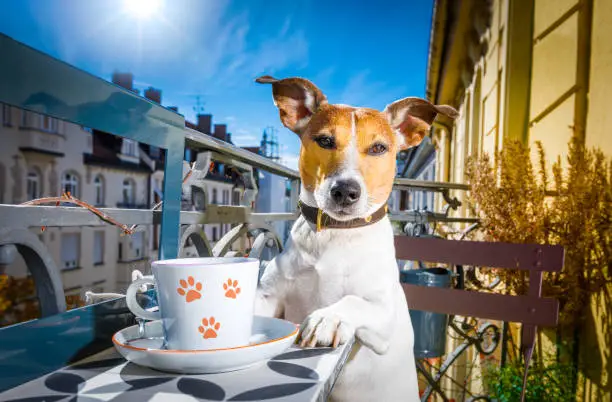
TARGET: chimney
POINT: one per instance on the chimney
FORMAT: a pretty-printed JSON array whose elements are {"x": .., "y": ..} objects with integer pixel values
[
  {"x": 153, "y": 94},
  {"x": 220, "y": 131},
  {"x": 124, "y": 80},
  {"x": 173, "y": 108},
  {"x": 204, "y": 123}
]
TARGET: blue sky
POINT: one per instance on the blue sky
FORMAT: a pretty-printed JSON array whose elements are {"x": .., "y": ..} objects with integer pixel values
[{"x": 366, "y": 53}]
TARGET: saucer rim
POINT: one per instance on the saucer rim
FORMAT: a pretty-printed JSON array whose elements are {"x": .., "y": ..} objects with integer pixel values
[{"x": 183, "y": 351}]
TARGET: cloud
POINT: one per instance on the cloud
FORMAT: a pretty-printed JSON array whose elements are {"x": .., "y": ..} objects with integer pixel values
[
  {"x": 234, "y": 56},
  {"x": 243, "y": 137},
  {"x": 324, "y": 77},
  {"x": 244, "y": 140},
  {"x": 362, "y": 90},
  {"x": 289, "y": 156},
  {"x": 142, "y": 84},
  {"x": 290, "y": 160}
]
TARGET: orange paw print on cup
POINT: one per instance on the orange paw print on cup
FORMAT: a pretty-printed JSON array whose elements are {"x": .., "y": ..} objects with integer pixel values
[
  {"x": 209, "y": 328},
  {"x": 231, "y": 289},
  {"x": 190, "y": 289}
]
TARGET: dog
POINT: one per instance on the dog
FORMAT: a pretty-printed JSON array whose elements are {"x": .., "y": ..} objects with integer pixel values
[{"x": 338, "y": 275}]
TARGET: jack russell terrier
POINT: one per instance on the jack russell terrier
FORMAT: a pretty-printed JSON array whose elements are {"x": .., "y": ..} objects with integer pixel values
[{"x": 338, "y": 274}]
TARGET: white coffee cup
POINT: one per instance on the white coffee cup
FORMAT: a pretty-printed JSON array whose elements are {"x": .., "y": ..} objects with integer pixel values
[{"x": 204, "y": 303}]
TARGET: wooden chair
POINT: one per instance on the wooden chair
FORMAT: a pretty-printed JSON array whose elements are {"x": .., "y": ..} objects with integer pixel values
[{"x": 530, "y": 309}]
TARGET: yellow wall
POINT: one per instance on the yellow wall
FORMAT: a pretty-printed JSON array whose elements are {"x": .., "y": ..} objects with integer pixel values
[
  {"x": 477, "y": 129},
  {"x": 596, "y": 382},
  {"x": 564, "y": 90},
  {"x": 554, "y": 75},
  {"x": 555, "y": 85},
  {"x": 599, "y": 119}
]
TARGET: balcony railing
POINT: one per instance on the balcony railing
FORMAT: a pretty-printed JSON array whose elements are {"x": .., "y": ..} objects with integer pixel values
[
  {"x": 34, "y": 140},
  {"x": 66, "y": 93}
]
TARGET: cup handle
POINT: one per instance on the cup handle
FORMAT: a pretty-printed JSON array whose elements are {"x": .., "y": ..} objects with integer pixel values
[{"x": 132, "y": 303}]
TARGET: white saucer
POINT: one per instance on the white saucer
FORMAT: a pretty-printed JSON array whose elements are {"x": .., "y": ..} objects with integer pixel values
[{"x": 271, "y": 336}]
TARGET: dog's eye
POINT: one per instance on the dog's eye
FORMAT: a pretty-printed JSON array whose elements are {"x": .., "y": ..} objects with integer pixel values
[
  {"x": 377, "y": 149},
  {"x": 326, "y": 142}
]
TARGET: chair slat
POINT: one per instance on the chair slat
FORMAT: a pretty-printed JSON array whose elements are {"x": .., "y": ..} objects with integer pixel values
[
  {"x": 484, "y": 254},
  {"x": 526, "y": 309}
]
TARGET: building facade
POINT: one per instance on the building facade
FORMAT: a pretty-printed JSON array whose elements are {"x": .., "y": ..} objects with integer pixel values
[
  {"x": 534, "y": 71},
  {"x": 527, "y": 70},
  {"x": 45, "y": 157}
]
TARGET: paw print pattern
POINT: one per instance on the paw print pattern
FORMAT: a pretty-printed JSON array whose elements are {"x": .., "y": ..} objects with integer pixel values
[
  {"x": 231, "y": 289},
  {"x": 188, "y": 289},
  {"x": 209, "y": 328}
]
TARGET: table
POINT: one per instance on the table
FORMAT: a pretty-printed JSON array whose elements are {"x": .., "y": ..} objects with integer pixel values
[{"x": 298, "y": 374}]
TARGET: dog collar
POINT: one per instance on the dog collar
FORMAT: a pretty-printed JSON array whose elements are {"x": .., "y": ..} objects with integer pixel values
[{"x": 319, "y": 218}]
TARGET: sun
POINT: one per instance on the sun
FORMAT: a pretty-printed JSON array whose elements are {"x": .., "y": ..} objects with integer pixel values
[{"x": 142, "y": 8}]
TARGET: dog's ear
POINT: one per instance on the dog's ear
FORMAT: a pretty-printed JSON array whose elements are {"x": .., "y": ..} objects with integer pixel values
[
  {"x": 297, "y": 99},
  {"x": 411, "y": 119}
]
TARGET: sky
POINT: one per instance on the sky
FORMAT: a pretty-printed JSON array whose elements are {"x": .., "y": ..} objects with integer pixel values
[{"x": 362, "y": 53}]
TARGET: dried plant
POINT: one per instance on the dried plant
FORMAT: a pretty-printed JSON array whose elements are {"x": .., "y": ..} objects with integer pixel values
[
  {"x": 514, "y": 204},
  {"x": 67, "y": 198}
]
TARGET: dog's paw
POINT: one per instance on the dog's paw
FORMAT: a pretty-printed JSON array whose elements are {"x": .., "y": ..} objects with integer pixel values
[{"x": 323, "y": 328}]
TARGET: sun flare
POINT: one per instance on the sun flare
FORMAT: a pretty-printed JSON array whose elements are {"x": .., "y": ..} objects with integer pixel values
[{"x": 142, "y": 8}]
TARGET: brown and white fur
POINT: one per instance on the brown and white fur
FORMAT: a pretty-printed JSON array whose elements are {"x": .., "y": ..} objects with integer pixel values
[{"x": 344, "y": 282}]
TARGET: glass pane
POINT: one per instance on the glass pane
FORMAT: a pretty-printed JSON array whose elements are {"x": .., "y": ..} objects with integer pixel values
[{"x": 197, "y": 59}]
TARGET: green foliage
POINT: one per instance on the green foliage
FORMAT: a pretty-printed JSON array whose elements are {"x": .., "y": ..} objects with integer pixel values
[{"x": 550, "y": 383}]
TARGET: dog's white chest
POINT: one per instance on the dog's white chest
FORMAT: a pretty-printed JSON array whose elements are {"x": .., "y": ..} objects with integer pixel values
[{"x": 330, "y": 265}]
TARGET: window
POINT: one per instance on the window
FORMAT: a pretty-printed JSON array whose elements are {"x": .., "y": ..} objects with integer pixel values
[
  {"x": 214, "y": 196},
  {"x": 154, "y": 152},
  {"x": 128, "y": 192},
  {"x": 99, "y": 189},
  {"x": 33, "y": 186},
  {"x": 214, "y": 235},
  {"x": 403, "y": 204},
  {"x": 6, "y": 114},
  {"x": 197, "y": 198},
  {"x": 138, "y": 244},
  {"x": 98, "y": 248},
  {"x": 24, "y": 118},
  {"x": 71, "y": 243},
  {"x": 2, "y": 182},
  {"x": 225, "y": 197},
  {"x": 236, "y": 198},
  {"x": 70, "y": 184},
  {"x": 48, "y": 124},
  {"x": 129, "y": 147},
  {"x": 155, "y": 237},
  {"x": 97, "y": 287}
]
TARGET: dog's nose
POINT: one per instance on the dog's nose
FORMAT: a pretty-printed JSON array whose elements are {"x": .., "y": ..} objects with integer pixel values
[{"x": 346, "y": 192}]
